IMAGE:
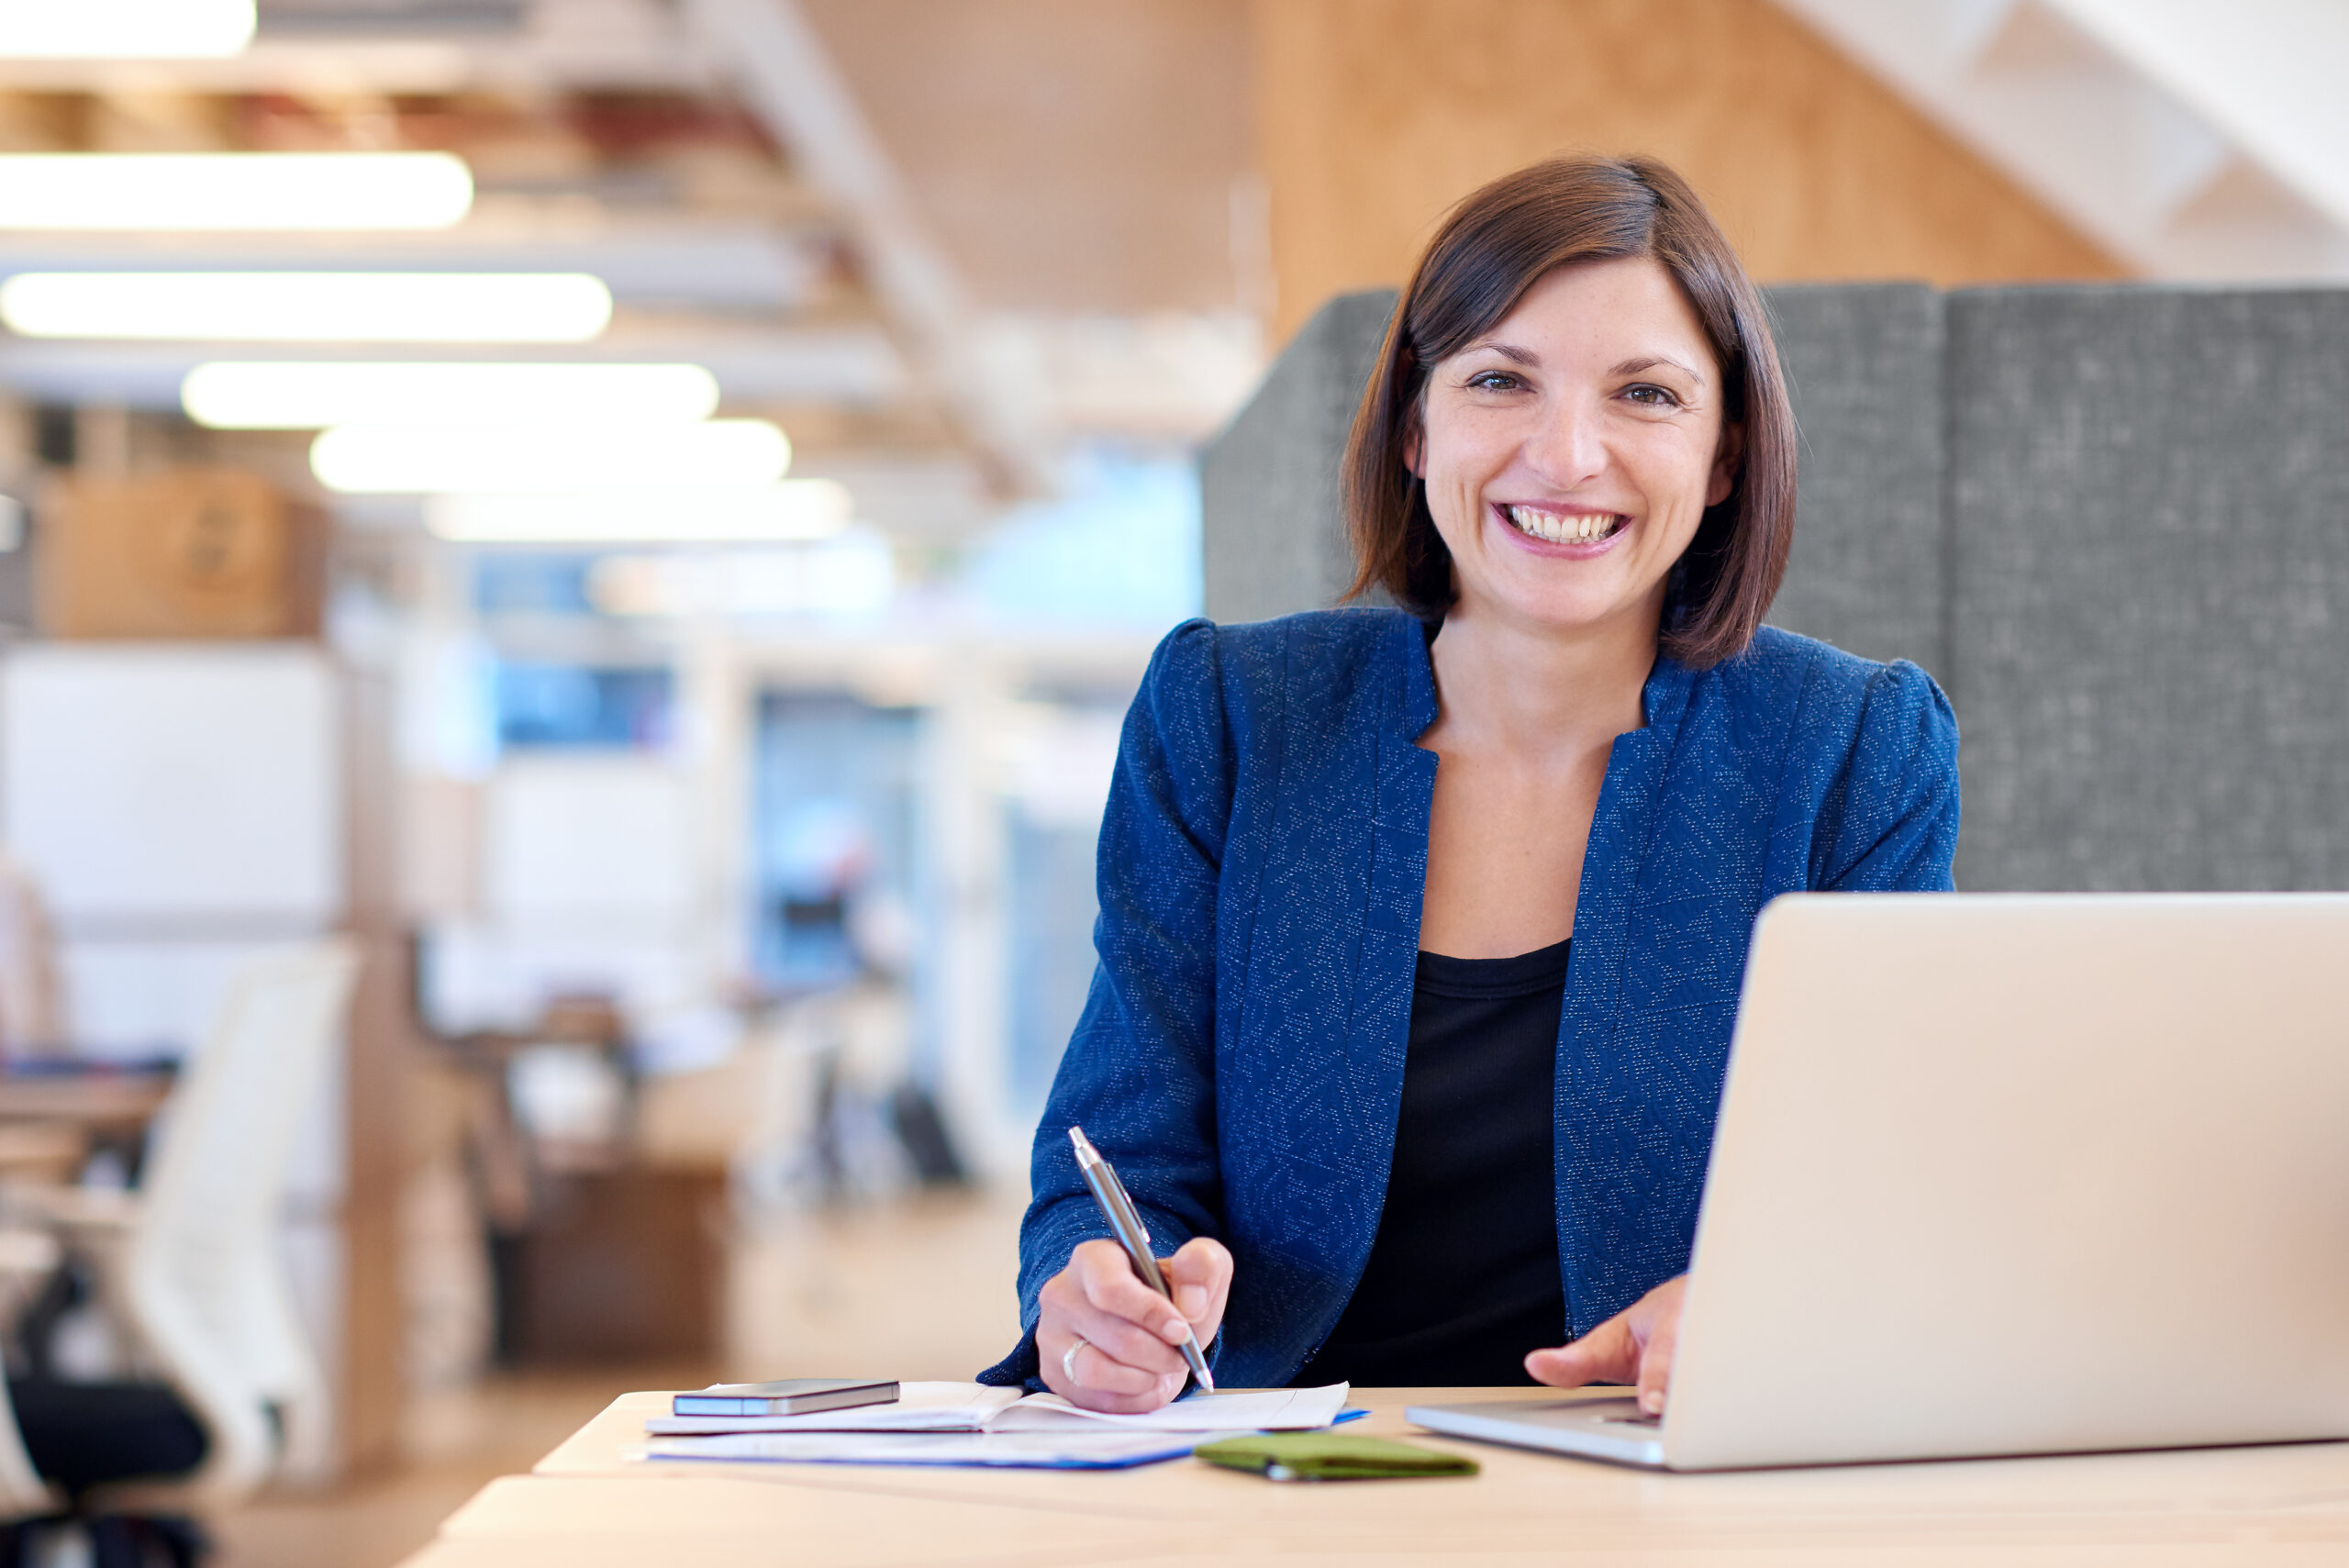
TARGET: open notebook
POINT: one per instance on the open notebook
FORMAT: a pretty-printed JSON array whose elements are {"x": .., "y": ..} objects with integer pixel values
[
  {"x": 975, "y": 1407},
  {"x": 967, "y": 1424}
]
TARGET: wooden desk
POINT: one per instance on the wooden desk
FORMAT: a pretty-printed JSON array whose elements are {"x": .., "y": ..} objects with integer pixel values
[
  {"x": 48, "y": 1123},
  {"x": 584, "y": 1507},
  {"x": 102, "y": 1102}
]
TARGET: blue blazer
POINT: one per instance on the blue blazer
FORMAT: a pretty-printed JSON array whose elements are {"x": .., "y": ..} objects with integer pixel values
[{"x": 1262, "y": 859}]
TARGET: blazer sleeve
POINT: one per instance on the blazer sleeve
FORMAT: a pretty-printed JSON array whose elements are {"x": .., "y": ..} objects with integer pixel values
[
  {"x": 1138, "y": 1074},
  {"x": 1892, "y": 824}
]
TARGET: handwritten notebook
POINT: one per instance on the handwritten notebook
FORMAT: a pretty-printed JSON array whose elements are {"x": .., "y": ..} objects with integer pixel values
[
  {"x": 973, "y": 1407},
  {"x": 966, "y": 1424}
]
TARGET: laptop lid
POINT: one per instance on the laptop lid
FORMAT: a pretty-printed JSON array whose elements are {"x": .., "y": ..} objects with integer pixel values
[{"x": 2001, "y": 1174}]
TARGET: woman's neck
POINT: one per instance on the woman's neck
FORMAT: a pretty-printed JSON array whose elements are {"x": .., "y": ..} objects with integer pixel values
[{"x": 1505, "y": 684}]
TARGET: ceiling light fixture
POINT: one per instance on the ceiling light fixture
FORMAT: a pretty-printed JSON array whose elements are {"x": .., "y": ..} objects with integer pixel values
[
  {"x": 233, "y": 190},
  {"x": 125, "y": 30},
  {"x": 299, "y": 395},
  {"x": 325, "y": 307},
  {"x": 791, "y": 510},
  {"x": 432, "y": 459}
]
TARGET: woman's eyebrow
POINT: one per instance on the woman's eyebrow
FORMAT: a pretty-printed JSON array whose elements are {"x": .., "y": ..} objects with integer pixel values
[
  {"x": 1509, "y": 352},
  {"x": 1648, "y": 362}
]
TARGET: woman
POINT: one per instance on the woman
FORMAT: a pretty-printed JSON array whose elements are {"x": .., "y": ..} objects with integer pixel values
[{"x": 1421, "y": 930}]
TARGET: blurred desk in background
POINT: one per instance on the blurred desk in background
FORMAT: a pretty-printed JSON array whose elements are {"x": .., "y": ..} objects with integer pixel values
[
  {"x": 614, "y": 1266},
  {"x": 53, "y": 1118},
  {"x": 51, "y": 1121},
  {"x": 600, "y": 1252},
  {"x": 586, "y": 1507},
  {"x": 103, "y": 1103},
  {"x": 42, "y": 1150}
]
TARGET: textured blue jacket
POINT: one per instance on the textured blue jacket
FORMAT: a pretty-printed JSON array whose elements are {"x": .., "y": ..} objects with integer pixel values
[{"x": 1241, "y": 1056}]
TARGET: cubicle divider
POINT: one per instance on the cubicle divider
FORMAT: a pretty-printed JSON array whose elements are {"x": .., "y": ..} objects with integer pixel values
[
  {"x": 2150, "y": 524},
  {"x": 2112, "y": 520}
]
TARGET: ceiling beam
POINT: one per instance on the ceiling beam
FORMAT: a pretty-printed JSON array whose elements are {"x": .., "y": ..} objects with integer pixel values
[
  {"x": 718, "y": 264},
  {"x": 2194, "y": 140},
  {"x": 789, "y": 80},
  {"x": 848, "y": 367}
]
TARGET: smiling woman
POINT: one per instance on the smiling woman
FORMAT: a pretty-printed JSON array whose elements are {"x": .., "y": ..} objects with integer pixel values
[
  {"x": 1699, "y": 363},
  {"x": 1422, "y": 928}
]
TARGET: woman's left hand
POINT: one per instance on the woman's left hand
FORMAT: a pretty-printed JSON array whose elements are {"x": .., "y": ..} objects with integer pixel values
[{"x": 1634, "y": 1346}]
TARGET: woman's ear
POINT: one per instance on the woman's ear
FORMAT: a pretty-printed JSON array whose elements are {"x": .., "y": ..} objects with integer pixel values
[
  {"x": 1727, "y": 457},
  {"x": 1415, "y": 446}
]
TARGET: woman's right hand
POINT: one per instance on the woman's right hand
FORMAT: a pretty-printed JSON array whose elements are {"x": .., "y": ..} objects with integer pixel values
[{"x": 1107, "y": 1342}]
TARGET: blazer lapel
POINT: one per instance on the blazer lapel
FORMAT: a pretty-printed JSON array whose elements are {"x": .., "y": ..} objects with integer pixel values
[
  {"x": 1595, "y": 1151},
  {"x": 1401, "y": 794}
]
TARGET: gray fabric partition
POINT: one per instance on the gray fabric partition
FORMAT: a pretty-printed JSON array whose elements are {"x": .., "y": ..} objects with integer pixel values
[
  {"x": 2150, "y": 509},
  {"x": 1268, "y": 484},
  {"x": 1863, "y": 363}
]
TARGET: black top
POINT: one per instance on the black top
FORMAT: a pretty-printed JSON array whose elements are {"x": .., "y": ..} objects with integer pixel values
[{"x": 1464, "y": 1278}]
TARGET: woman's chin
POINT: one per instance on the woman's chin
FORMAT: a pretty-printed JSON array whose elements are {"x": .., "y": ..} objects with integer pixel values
[{"x": 1555, "y": 609}]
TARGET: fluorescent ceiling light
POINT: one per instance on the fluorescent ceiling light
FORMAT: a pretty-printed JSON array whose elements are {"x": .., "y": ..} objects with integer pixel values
[
  {"x": 793, "y": 509},
  {"x": 323, "y": 307},
  {"x": 233, "y": 190},
  {"x": 312, "y": 394},
  {"x": 717, "y": 454},
  {"x": 124, "y": 29}
]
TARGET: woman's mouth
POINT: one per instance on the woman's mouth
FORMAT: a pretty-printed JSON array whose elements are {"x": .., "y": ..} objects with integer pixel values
[{"x": 1565, "y": 528}]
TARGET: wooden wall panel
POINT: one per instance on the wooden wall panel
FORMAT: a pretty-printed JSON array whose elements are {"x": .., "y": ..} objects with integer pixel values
[
  {"x": 1375, "y": 116},
  {"x": 1072, "y": 155}
]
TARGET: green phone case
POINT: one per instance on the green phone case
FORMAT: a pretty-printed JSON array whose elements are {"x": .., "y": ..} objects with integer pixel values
[{"x": 1331, "y": 1456}]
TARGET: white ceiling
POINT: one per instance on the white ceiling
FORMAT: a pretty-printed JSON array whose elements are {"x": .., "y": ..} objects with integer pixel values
[{"x": 2196, "y": 139}]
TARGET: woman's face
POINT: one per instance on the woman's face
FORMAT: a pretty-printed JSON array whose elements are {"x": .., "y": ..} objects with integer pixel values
[{"x": 1570, "y": 452}]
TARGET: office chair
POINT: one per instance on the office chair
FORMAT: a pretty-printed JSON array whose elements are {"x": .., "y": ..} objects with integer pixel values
[{"x": 189, "y": 1265}]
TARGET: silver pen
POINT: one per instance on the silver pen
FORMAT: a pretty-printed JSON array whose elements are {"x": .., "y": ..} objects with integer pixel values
[{"x": 1126, "y": 1224}]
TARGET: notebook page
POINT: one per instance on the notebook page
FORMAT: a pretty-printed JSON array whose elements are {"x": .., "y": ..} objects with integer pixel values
[{"x": 1254, "y": 1410}]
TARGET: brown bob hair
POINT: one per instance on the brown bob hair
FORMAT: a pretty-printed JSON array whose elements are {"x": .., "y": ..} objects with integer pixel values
[{"x": 1494, "y": 247}]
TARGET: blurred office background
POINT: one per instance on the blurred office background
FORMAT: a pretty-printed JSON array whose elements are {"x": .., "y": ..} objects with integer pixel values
[{"x": 643, "y": 517}]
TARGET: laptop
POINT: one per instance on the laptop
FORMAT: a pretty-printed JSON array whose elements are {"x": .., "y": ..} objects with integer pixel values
[{"x": 2010, "y": 1174}]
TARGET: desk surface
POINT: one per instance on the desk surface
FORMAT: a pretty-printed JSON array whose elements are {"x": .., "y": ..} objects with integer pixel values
[
  {"x": 585, "y": 1507},
  {"x": 105, "y": 1101}
]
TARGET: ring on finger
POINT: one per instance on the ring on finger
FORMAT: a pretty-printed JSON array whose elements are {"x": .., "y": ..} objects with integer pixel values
[{"x": 1068, "y": 1361}]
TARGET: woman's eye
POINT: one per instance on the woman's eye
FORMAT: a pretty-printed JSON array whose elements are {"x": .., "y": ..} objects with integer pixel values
[
  {"x": 1493, "y": 381},
  {"x": 1654, "y": 396}
]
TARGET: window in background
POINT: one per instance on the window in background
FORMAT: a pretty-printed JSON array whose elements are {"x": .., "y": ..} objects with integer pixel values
[
  {"x": 532, "y": 583},
  {"x": 1119, "y": 548},
  {"x": 1061, "y": 755},
  {"x": 1049, "y": 881},
  {"x": 573, "y": 706},
  {"x": 835, "y": 823}
]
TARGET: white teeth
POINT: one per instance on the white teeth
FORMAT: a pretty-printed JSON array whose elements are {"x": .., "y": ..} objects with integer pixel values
[{"x": 1562, "y": 529}]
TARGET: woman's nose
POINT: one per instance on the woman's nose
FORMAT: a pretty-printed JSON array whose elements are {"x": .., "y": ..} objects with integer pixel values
[{"x": 1567, "y": 448}]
